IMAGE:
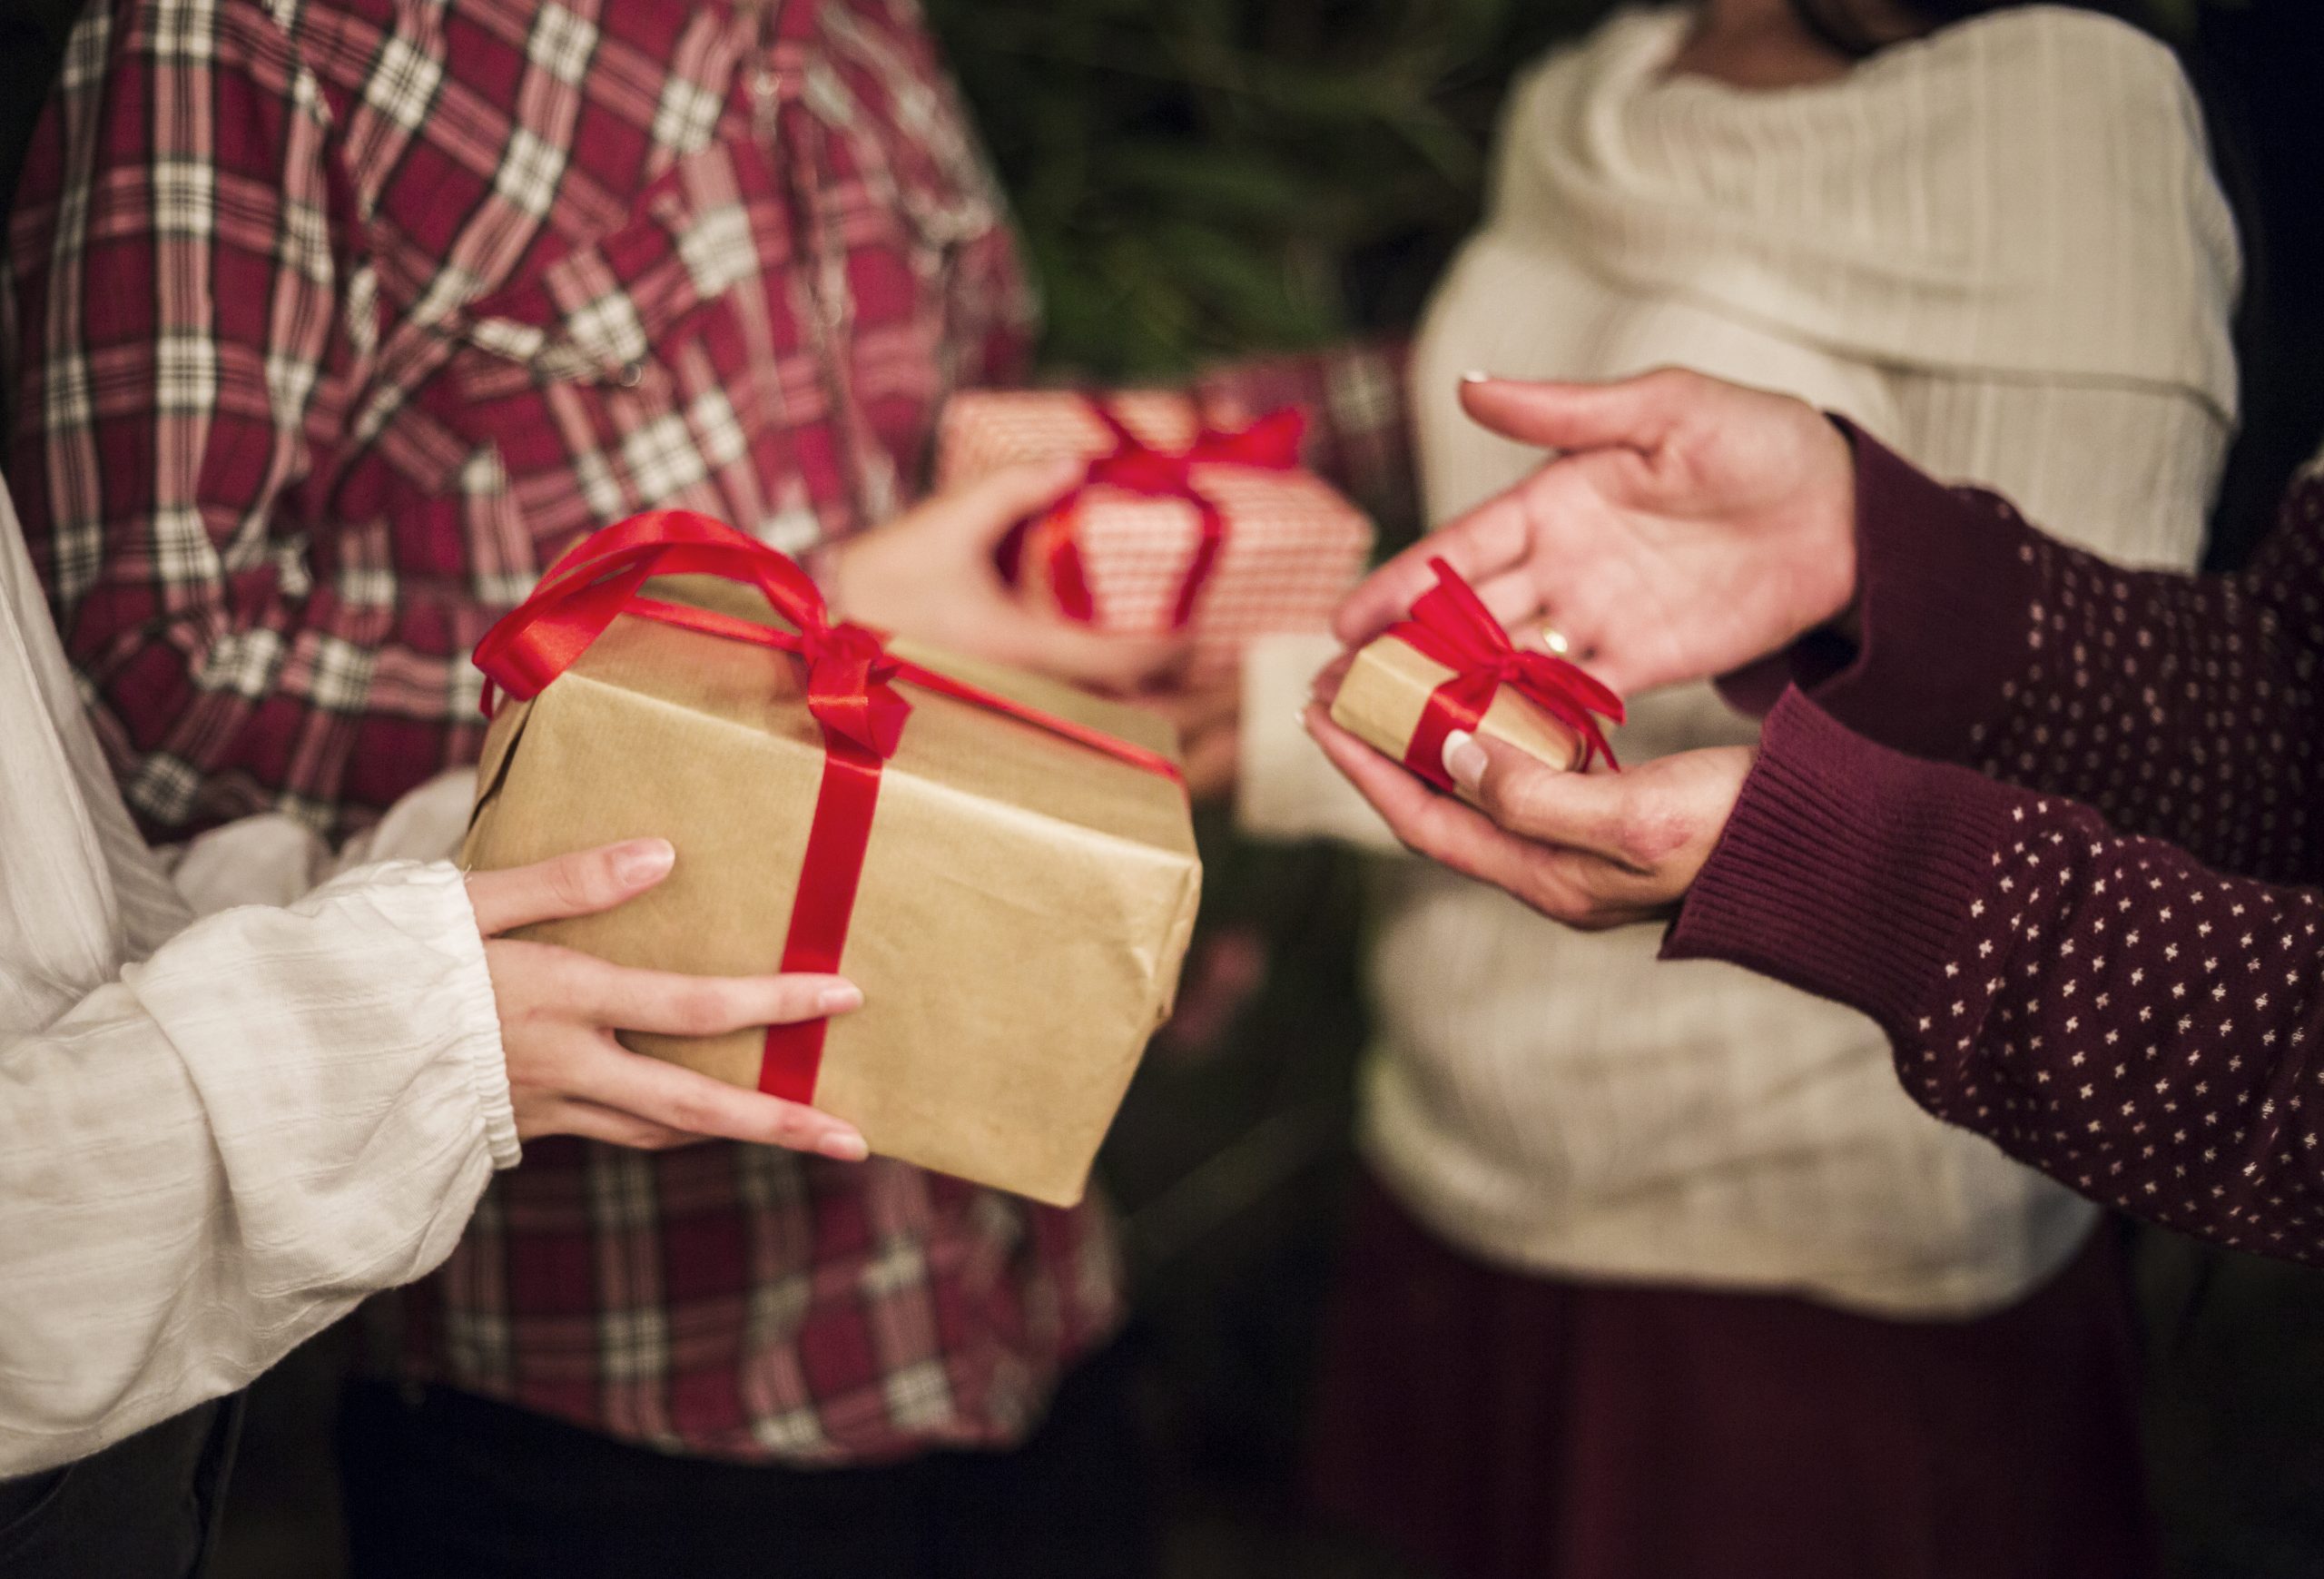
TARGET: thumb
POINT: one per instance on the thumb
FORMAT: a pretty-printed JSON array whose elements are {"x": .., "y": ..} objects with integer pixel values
[
  {"x": 580, "y": 884},
  {"x": 1529, "y": 798},
  {"x": 1634, "y": 414},
  {"x": 998, "y": 500}
]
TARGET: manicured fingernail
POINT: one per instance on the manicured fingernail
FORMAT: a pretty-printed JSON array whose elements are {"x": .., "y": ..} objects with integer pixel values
[
  {"x": 843, "y": 1146},
  {"x": 1464, "y": 759},
  {"x": 841, "y": 998},
  {"x": 643, "y": 860},
  {"x": 1473, "y": 377}
]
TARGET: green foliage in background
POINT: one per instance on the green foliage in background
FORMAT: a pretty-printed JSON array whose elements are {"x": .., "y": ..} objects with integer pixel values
[
  {"x": 1196, "y": 178},
  {"x": 1200, "y": 177}
]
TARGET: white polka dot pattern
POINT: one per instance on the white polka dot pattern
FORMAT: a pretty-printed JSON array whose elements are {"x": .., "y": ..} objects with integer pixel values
[
  {"x": 2141, "y": 1027},
  {"x": 2138, "y": 1027},
  {"x": 2112, "y": 960},
  {"x": 2179, "y": 708}
]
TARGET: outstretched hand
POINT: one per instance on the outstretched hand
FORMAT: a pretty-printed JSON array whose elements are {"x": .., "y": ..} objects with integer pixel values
[
  {"x": 559, "y": 1010},
  {"x": 1592, "y": 850},
  {"x": 1688, "y": 527}
]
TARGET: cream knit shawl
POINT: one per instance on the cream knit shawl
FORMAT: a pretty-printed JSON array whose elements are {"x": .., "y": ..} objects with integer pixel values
[
  {"x": 1949, "y": 204},
  {"x": 2001, "y": 249}
]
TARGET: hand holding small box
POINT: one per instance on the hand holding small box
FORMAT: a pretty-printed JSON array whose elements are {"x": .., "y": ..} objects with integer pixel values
[
  {"x": 1005, "y": 867},
  {"x": 1451, "y": 667}
]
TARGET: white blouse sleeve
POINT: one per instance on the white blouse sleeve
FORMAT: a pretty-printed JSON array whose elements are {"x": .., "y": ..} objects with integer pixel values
[
  {"x": 209, "y": 1155},
  {"x": 208, "y": 1161}
]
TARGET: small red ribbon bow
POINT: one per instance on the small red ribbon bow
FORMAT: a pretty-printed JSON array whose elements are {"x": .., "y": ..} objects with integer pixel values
[
  {"x": 1451, "y": 624},
  {"x": 1270, "y": 444}
]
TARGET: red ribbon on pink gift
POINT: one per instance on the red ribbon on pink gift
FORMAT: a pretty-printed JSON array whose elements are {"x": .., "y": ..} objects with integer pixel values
[
  {"x": 1449, "y": 624},
  {"x": 1270, "y": 444},
  {"x": 852, "y": 679}
]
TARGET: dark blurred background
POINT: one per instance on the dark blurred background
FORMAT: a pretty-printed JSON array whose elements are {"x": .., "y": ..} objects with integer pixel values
[{"x": 1201, "y": 179}]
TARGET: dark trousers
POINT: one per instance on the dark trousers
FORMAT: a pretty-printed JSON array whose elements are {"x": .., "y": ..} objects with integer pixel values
[
  {"x": 144, "y": 1508},
  {"x": 443, "y": 1485}
]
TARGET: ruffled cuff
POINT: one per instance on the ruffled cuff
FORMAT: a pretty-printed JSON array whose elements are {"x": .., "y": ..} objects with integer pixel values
[{"x": 428, "y": 904}]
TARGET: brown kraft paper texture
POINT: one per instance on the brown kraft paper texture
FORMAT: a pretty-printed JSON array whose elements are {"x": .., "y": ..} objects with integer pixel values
[{"x": 1025, "y": 904}]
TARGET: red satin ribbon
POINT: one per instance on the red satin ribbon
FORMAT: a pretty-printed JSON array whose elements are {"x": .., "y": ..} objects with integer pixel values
[
  {"x": 1451, "y": 624},
  {"x": 1270, "y": 444},
  {"x": 851, "y": 691}
]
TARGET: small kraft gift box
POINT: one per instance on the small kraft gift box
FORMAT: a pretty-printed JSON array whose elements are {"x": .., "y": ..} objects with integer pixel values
[
  {"x": 1449, "y": 667},
  {"x": 1178, "y": 523},
  {"x": 1006, "y": 867}
]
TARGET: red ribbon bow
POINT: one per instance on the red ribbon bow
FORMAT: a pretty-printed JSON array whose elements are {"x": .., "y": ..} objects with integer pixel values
[
  {"x": 852, "y": 680},
  {"x": 598, "y": 578},
  {"x": 1270, "y": 444},
  {"x": 1451, "y": 624}
]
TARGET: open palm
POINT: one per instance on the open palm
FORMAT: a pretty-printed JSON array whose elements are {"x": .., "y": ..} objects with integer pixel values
[{"x": 1687, "y": 528}]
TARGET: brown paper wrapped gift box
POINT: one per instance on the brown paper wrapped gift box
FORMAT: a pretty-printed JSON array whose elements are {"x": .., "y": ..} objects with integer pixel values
[
  {"x": 1025, "y": 902},
  {"x": 1449, "y": 665},
  {"x": 1387, "y": 686}
]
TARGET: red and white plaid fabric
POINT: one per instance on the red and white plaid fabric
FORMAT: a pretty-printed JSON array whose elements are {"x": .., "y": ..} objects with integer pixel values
[
  {"x": 334, "y": 319},
  {"x": 331, "y": 321},
  {"x": 1293, "y": 545}
]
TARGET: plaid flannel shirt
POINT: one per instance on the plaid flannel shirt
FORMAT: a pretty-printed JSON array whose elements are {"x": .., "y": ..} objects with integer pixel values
[{"x": 329, "y": 323}]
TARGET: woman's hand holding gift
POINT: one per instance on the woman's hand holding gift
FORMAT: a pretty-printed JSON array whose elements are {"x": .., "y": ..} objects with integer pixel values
[
  {"x": 930, "y": 574},
  {"x": 559, "y": 1010},
  {"x": 1592, "y": 850},
  {"x": 1688, "y": 527}
]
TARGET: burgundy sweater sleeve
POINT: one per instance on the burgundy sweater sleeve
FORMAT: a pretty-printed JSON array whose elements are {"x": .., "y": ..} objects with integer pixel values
[
  {"x": 2184, "y": 707},
  {"x": 2101, "y": 1005}
]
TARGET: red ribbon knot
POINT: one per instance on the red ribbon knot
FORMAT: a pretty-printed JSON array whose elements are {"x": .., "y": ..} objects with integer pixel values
[
  {"x": 848, "y": 669},
  {"x": 1451, "y": 624},
  {"x": 1133, "y": 466}
]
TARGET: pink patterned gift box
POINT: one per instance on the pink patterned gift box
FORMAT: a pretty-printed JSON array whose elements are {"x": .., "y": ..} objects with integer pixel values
[{"x": 1120, "y": 556}]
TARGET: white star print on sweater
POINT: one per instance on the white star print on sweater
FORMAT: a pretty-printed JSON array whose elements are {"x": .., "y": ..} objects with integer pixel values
[{"x": 2102, "y": 949}]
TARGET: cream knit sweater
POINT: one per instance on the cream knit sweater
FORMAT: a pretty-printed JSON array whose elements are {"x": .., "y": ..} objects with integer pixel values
[{"x": 2001, "y": 249}]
